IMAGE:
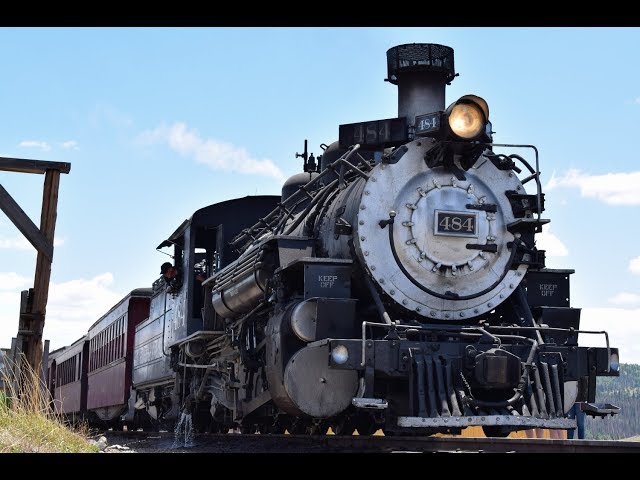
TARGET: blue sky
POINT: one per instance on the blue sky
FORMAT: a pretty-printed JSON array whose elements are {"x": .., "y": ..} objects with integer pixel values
[{"x": 158, "y": 122}]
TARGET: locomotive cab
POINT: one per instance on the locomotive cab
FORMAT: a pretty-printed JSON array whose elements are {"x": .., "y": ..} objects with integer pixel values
[{"x": 199, "y": 247}]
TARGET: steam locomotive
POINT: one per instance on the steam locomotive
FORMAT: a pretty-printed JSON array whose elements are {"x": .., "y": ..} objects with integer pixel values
[{"x": 394, "y": 284}]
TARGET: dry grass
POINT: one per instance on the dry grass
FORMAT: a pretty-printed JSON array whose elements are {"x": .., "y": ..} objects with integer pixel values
[{"x": 27, "y": 424}]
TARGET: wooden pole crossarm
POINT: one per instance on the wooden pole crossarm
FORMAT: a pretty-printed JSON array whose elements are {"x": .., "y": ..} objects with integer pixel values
[
  {"x": 24, "y": 224},
  {"x": 26, "y": 165}
]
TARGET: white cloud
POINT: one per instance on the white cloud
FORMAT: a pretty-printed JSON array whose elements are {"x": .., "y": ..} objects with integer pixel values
[
  {"x": 611, "y": 188},
  {"x": 70, "y": 144},
  {"x": 637, "y": 100},
  {"x": 21, "y": 243},
  {"x": 634, "y": 266},
  {"x": 625, "y": 298},
  {"x": 11, "y": 281},
  {"x": 75, "y": 305},
  {"x": 211, "y": 152},
  {"x": 72, "y": 307},
  {"x": 623, "y": 326},
  {"x": 18, "y": 243},
  {"x": 44, "y": 146},
  {"x": 551, "y": 244}
]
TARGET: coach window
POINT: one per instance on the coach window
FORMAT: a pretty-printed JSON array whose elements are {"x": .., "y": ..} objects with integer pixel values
[{"x": 112, "y": 342}]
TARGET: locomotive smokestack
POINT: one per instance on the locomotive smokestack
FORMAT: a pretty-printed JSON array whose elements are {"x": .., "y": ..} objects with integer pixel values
[{"x": 421, "y": 71}]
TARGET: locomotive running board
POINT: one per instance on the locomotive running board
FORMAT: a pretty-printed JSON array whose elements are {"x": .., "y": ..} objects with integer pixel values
[{"x": 497, "y": 420}]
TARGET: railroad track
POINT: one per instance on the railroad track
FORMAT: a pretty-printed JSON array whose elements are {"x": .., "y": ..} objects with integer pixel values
[{"x": 167, "y": 442}]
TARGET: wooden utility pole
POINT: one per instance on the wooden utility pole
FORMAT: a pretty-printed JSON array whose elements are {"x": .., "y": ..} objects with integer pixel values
[{"x": 33, "y": 302}]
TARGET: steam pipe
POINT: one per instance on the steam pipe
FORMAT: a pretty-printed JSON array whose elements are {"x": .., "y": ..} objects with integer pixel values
[{"x": 376, "y": 299}]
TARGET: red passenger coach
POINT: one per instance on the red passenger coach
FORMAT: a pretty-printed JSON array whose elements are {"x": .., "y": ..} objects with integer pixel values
[
  {"x": 110, "y": 347},
  {"x": 52, "y": 370},
  {"x": 70, "y": 397}
]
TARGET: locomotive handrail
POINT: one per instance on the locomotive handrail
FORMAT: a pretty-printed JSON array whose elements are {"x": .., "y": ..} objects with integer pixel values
[
  {"x": 364, "y": 162},
  {"x": 463, "y": 330},
  {"x": 320, "y": 196},
  {"x": 200, "y": 334},
  {"x": 557, "y": 329},
  {"x": 320, "y": 210},
  {"x": 294, "y": 199},
  {"x": 195, "y": 365},
  {"x": 535, "y": 175}
]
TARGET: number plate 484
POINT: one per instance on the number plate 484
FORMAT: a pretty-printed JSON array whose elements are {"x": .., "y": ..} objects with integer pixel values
[{"x": 456, "y": 223}]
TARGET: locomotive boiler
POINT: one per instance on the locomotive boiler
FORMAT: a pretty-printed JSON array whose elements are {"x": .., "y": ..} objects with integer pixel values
[{"x": 395, "y": 284}]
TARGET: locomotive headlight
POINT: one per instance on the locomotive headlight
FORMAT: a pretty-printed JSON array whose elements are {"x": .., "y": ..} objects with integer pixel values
[
  {"x": 468, "y": 117},
  {"x": 340, "y": 354},
  {"x": 463, "y": 128},
  {"x": 465, "y": 121}
]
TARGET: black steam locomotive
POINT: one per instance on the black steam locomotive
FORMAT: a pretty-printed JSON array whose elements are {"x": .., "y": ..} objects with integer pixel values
[{"x": 395, "y": 284}]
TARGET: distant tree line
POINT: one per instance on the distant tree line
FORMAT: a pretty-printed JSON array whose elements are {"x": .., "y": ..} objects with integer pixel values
[{"x": 624, "y": 392}]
